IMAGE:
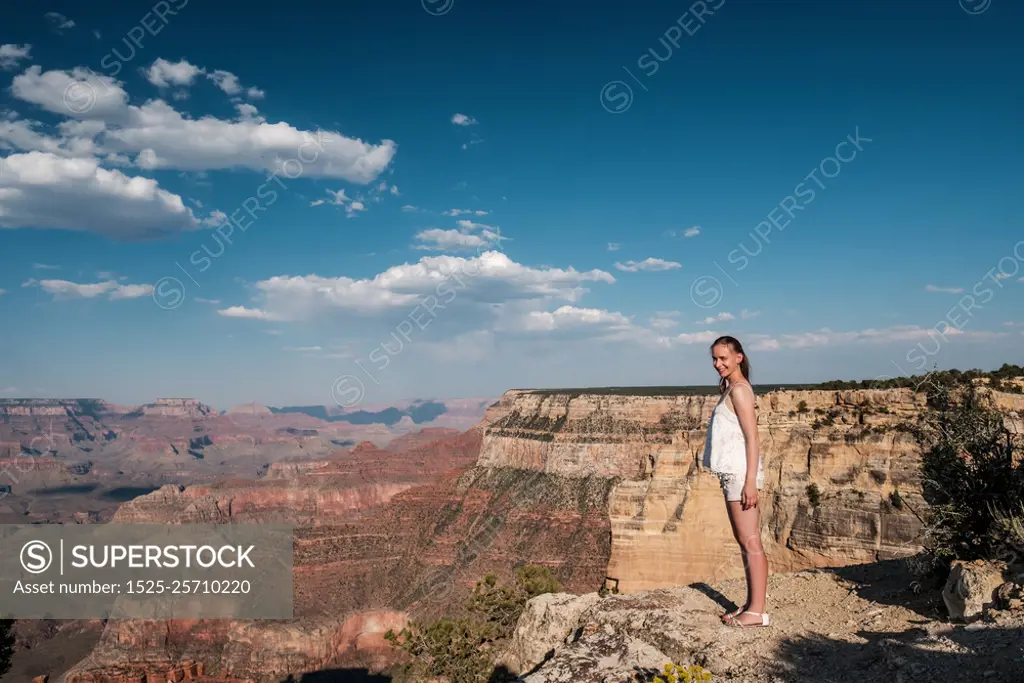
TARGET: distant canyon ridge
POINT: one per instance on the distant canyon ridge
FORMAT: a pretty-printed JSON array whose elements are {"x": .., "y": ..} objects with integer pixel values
[{"x": 75, "y": 460}]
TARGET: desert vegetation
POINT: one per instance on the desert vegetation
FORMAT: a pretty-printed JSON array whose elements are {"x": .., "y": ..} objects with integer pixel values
[
  {"x": 462, "y": 648},
  {"x": 972, "y": 476}
]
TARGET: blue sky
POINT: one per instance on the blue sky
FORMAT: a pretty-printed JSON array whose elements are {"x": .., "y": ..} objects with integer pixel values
[{"x": 454, "y": 198}]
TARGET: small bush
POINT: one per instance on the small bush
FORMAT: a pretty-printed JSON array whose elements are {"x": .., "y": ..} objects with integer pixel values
[
  {"x": 896, "y": 500},
  {"x": 461, "y": 647},
  {"x": 814, "y": 495},
  {"x": 801, "y": 407},
  {"x": 678, "y": 674},
  {"x": 971, "y": 478}
]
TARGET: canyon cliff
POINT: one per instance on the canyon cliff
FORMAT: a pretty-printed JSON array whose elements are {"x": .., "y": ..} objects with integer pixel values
[{"x": 604, "y": 487}]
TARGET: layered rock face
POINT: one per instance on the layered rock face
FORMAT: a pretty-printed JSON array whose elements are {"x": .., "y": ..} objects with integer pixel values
[
  {"x": 177, "y": 407},
  {"x": 841, "y": 477},
  {"x": 359, "y": 571}
]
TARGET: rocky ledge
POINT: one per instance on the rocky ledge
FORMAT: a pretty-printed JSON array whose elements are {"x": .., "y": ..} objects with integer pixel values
[{"x": 849, "y": 625}]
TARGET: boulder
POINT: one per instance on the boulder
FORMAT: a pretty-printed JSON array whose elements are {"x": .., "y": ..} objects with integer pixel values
[
  {"x": 971, "y": 587},
  {"x": 544, "y": 624}
]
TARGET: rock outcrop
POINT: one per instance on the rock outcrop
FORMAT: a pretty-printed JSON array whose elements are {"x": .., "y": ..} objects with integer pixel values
[
  {"x": 971, "y": 587},
  {"x": 177, "y": 407},
  {"x": 845, "y": 626}
]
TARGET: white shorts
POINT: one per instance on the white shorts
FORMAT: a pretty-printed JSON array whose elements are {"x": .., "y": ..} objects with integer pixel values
[{"x": 732, "y": 486}]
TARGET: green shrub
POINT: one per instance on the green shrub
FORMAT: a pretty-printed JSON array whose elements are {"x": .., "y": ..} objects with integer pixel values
[
  {"x": 813, "y": 495},
  {"x": 678, "y": 674},
  {"x": 970, "y": 477},
  {"x": 461, "y": 647},
  {"x": 801, "y": 407}
]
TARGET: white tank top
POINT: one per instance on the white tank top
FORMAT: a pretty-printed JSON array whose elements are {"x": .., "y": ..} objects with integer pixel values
[{"x": 725, "y": 447}]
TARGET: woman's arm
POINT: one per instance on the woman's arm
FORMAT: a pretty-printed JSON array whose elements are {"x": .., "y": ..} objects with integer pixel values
[{"x": 743, "y": 403}]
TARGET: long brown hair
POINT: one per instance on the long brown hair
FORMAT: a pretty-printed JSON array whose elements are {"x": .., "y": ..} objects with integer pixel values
[{"x": 734, "y": 344}]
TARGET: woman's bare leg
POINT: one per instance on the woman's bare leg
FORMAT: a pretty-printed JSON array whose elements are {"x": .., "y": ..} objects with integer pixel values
[
  {"x": 747, "y": 528},
  {"x": 736, "y": 535}
]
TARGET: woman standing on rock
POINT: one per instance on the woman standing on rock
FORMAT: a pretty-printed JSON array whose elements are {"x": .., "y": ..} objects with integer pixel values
[{"x": 731, "y": 452}]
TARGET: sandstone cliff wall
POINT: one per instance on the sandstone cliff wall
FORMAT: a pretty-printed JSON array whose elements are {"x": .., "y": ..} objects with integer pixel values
[{"x": 668, "y": 521}]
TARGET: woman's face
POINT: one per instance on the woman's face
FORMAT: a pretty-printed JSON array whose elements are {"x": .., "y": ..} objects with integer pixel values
[{"x": 725, "y": 359}]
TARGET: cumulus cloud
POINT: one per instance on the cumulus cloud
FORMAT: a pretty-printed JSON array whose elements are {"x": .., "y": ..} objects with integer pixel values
[
  {"x": 648, "y": 264},
  {"x": 43, "y": 190},
  {"x": 711, "y": 320},
  {"x": 695, "y": 337},
  {"x": 481, "y": 281},
  {"x": 463, "y": 120},
  {"x": 571, "y": 318},
  {"x": 614, "y": 246},
  {"x": 226, "y": 81},
  {"x": 156, "y": 136},
  {"x": 11, "y": 55},
  {"x": 113, "y": 290},
  {"x": 452, "y": 240},
  {"x": 164, "y": 74},
  {"x": 828, "y": 337}
]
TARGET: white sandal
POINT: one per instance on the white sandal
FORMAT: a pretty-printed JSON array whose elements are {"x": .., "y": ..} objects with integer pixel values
[{"x": 765, "y": 621}]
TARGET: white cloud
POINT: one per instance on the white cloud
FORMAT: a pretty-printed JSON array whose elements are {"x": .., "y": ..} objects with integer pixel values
[
  {"x": 710, "y": 320},
  {"x": 247, "y": 111},
  {"x": 226, "y": 81},
  {"x": 696, "y": 337},
  {"x": 44, "y": 266},
  {"x": 463, "y": 120},
  {"x": 9, "y": 390},
  {"x": 409, "y": 208},
  {"x": 470, "y": 225},
  {"x": 451, "y": 240},
  {"x": 945, "y": 290},
  {"x": 567, "y": 318},
  {"x": 614, "y": 246},
  {"x": 301, "y": 348},
  {"x": 394, "y": 190},
  {"x": 207, "y": 301},
  {"x": 689, "y": 232},
  {"x": 11, "y": 55},
  {"x": 490, "y": 278},
  {"x": 746, "y": 315},
  {"x": 164, "y": 74},
  {"x": 827, "y": 337},
  {"x": 648, "y": 264},
  {"x": 63, "y": 289},
  {"x": 2, "y": 292},
  {"x": 659, "y": 323},
  {"x": 42, "y": 190},
  {"x": 255, "y": 94},
  {"x": 464, "y": 212},
  {"x": 243, "y": 312},
  {"x": 59, "y": 21},
  {"x": 162, "y": 138},
  {"x": 76, "y": 93}
]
